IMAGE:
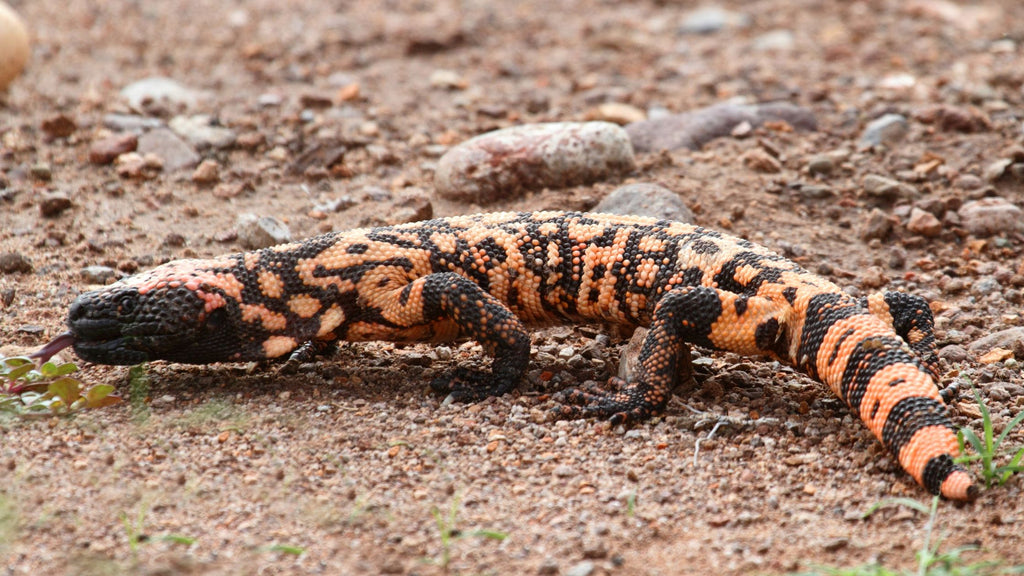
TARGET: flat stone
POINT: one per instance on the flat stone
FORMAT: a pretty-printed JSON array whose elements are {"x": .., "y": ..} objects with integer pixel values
[
  {"x": 98, "y": 274},
  {"x": 644, "y": 199},
  {"x": 991, "y": 216},
  {"x": 693, "y": 129},
  {"x": 1002, "y": 339},
  {"x": 202, "y": 132},
  {"x": 255, "y": 232},
  {"x": 158, "y": 90},
  {"x": 15, "y": 263},
  {"x": 107, "y": 150},
  {"x": 174, "y": 152},
  {"x": 509, "y": 162},
  {"x": 885, "y": 131}
]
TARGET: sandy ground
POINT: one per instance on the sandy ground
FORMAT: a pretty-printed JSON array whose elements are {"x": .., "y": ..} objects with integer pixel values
[{"x": 235, "y": 469}]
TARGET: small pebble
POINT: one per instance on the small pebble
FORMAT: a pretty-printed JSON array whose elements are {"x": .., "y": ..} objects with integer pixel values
[
  {"x": 53, "y": 204},
  {"x": 207, "y": 173},
  {"x": 256, "y": 232},
  {"x": 98, "y": 274},
  {"x": 760, "y": 161},
  {"x": 59, "y": 126},
  {"x": 203, "y": 132},
  {"x": 885, "y": 131},
  {"x": 107, "y": 150},
  {"x": 15, "y": 263},
  {"x": 174, "y": 152},
  {"x": 158, "y": 91},
  {"x": 585, "y": 568},
  {"x": 924, "y": 223}
]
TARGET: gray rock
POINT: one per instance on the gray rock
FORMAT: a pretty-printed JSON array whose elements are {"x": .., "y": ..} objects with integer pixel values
[
  {"x": 991, "y": 216},
  {"x": 695, "y": 128},
  {"x": 175, "y": 153},
  {"x": 131, "y": 123},
  {"x": 954, "y": 353},
  {"x": 774, "y": 41},
  {"x": 159, "y": 90},
  {"x": 710, "y": 19},
  {"x": 15, "y": 262},
  {"x": 202, "y": 132},
  {"x": 646, "y": 199},
  {"x": 256, "y": 232},
  {"x": 887, "y": 189},
  {"x": 821, "y": 164},
  {"x": 995, "y": 171},
  {"x": 985, "y": 286},
  {"x": 1002, "y": 339},
  {"x": 885, "y": 131},
  {"x": 509, "y": 162},
  {"x": 878, "y": 224},
  {"x": 584, "y": 568},
  {"x": 99, "y": 274}
]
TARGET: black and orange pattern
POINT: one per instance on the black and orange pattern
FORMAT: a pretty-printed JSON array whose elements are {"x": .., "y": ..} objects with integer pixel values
[{"x": 484, "y": 276}]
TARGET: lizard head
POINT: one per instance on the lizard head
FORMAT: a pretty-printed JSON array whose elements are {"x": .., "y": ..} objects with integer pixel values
[{"x": 178, "y": 312}]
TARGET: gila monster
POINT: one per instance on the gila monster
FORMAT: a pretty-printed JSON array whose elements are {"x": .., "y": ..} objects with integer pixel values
[{"x": 483, "y": 277}]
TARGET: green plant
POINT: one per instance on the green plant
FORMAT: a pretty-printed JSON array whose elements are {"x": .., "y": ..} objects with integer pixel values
[
  {"x": 138, "y": 390},
  {"x": 446, "y": 526},
  {"x": 989, "y": 447},
  {"x": 26, "y": 389},
  {"x": 286, "y": 549},
  {"x": 930, "y": 561}
]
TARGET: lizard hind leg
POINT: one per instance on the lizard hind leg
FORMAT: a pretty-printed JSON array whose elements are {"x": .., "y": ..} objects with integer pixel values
[
  {"x": 912, "y": 319},
  {"x": 698, "y": 315}
]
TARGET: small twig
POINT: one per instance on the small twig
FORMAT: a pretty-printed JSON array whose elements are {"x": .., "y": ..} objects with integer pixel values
[{"x": 696, "y": 446}]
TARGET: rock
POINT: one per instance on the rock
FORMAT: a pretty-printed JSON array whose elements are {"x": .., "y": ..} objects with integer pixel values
[
  {"x": 131, "y": 123},
  {"x": 774, "y": 41},
  {"x": 616, "y": 113},
  {"x": 207, "y": 173},
  {"x": 760, "y": 161},
  {"x": 41, "y": 172},
  {"x": 159, "y": 91},
  {"x": 954, "y": 353},
  {"x": 991, "y": 216},
  {"x": 53, "y": 204},
  {"x": 885, "y": 131},
  {"x": 174, "y": 152},
  {"x": 953, "y": 119},
  {"x": 135, "y": 166},
  {"x": 1003, "y": 339},
  {"x": 710, "y": 19},
  {"x": 887, "y": 189},
  {"x": 447, "y": 80},
  {"x": 508, "y": 162},
  {"x": 822, "y": 164},
  {"x": 695, "y": 128},
  {"x": 107, "y": 150},
  {"x": 924, "y": 223},
  {"x": 646, "y": 199},
  {"x": 59, "y": 126},
  {"x": 878, "y": 224},
  {"x": 995, "y": 171},
  {"x": 203, "y": 132},
  {"x": 14, "y": 46},
  {"x": 584, "y": 568},
  {"x": 256, "y": 232},
  {"x": 14, "y": 263},
  {"x": 985, "y": 286},
  {"x": 98, "y": 274}
]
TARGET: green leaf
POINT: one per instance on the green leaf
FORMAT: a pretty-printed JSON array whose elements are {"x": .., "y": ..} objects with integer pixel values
[
  {"x": 67, "y": 389},
  {"x": 177, "y": 539},
  {"x": 491, "y": 534},
  {"x": 1009, "y": 427},
  {"x": 19, "y": 371},
  {"x": 287, "y": 549},
  {"x": 15, "y": 361},
  {"x": 973, "y": 439},
  {"x": 908, "y": 502},
  {"x": 51, "y": 370},
  {"x": 99, "y": 395}
]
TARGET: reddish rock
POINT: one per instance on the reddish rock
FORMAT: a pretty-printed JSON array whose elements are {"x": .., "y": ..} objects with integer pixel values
[{"x": 107, "y": 150}]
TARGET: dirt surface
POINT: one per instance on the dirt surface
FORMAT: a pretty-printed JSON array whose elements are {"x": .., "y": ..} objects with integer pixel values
[{"x": 346, "y": 459}]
